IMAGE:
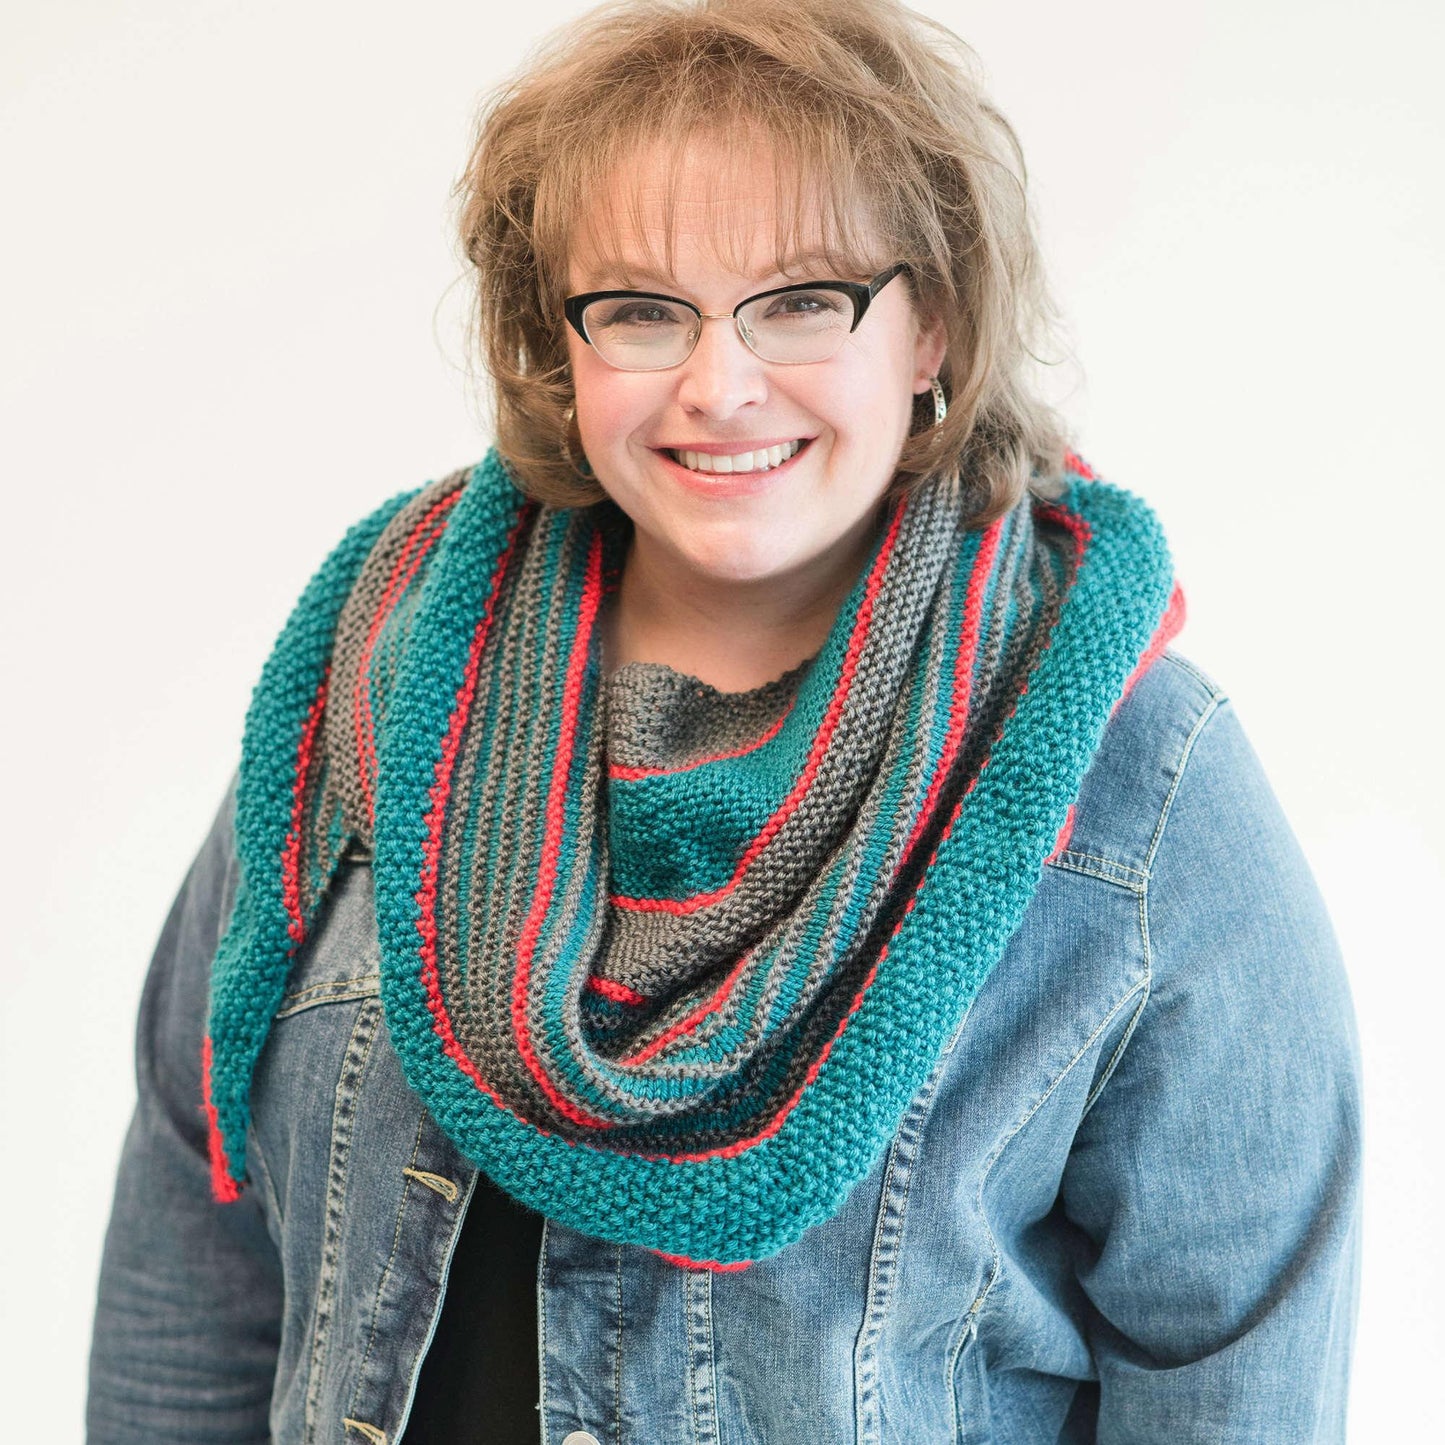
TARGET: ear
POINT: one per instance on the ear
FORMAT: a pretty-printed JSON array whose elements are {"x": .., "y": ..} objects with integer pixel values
[{"x": 928, "y": 350}]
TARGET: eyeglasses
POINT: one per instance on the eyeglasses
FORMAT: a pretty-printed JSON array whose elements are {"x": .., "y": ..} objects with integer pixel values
[{"x": 792, "y": 325}]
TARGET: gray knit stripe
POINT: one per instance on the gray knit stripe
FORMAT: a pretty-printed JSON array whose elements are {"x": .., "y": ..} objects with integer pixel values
[
  {"x": 545, "y": 961},
  {"x": 656, "y": 715},
  {"x": 1040, "y": 597},
  {"x": 502, "y": 687}
]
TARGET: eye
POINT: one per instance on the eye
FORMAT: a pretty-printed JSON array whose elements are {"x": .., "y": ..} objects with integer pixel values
[
  {"x": 644, "y": 313},
  {"x": 807, "y": 305}
]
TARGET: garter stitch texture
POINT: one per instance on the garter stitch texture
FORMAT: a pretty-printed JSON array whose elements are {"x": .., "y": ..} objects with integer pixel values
[{"x": 669, "y": 964}]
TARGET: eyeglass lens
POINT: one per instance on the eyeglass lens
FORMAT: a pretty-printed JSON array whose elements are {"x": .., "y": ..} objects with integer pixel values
[{"x": 648, "y": 333}]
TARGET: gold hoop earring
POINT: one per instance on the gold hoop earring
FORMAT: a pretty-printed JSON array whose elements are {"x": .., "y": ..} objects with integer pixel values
[
  {"x": 940, "y": 402},
  {"x": 584, "y": 467}
]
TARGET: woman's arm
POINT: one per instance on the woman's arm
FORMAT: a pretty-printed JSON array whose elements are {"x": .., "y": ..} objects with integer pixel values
[
  {"x": 189, "y": 1310},
  {"x": 1216, "y": 1181}
]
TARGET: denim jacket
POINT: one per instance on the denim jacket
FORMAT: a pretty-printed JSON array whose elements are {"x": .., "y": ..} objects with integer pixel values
[{"x": 1124, "y": 1207}]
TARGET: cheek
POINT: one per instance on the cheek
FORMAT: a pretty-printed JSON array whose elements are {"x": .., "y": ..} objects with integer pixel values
[
  {"x": 609, "y": 409},
  {"x": 601, "y": 417},
  {"x": 875, "y": 387},
  {"x": 870, "y": 405}
]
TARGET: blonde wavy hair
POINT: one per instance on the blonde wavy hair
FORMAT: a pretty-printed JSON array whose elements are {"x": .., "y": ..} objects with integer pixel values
[{"x": 878, "y": 133}]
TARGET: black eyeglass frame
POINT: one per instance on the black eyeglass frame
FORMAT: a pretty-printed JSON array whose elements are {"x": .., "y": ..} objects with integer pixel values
[{"x": 861, "y": 293}]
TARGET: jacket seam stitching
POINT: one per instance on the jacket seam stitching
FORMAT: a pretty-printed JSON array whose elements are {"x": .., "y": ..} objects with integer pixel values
[
  {"x": 1072, "y": 853},
  {"x": 1186, "y": 753},
  {"x": 542, "y": 1329},
  {"x": 381, "y": 1283},
  {"x": 1134, "y": 884},
  {"x": 970, "y": 1328},
  {"x": 307, "y": 1004},
  {"x": 256, "y": 1157},
  {"x": 617, "y": 1349},
  {"x": 701, "y": 1364},
  {"x": 358, "y": 981},
  {"x": 365, "y": 1026},
  {"x": 1144, "y": 989},
  {"x": 1099, "y": 1028}
]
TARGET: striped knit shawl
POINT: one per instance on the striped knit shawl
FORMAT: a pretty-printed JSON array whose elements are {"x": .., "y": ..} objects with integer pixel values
[{"x": 669, "y": 964}]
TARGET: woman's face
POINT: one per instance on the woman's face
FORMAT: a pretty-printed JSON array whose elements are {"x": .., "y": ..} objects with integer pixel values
[{"x": 804, "y": 521}]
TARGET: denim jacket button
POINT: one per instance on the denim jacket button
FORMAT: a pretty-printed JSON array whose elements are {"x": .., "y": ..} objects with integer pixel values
[{"x": 580, "y": 1437}]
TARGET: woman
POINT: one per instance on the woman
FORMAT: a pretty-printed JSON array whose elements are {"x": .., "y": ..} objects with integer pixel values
[{"x": 731, "y": 924}]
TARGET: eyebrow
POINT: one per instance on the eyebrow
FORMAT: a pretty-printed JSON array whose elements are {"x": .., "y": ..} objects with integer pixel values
[{"x": 628, "y": 276}]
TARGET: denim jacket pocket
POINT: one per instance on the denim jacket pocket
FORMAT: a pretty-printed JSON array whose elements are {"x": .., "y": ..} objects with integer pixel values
[{"x": 341, "y": 961}]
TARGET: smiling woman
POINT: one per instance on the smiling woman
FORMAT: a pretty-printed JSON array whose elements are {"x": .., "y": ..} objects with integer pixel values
[
  {"x": 755, "y": 554},
  {"x": 733, "y": 922}
]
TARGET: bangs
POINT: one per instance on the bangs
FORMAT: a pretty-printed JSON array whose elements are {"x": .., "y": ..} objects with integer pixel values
[{"x": 616, "y": 207}]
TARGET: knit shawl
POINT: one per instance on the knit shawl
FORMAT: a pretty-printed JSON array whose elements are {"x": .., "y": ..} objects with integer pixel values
[{"x": 667, "y": 964}]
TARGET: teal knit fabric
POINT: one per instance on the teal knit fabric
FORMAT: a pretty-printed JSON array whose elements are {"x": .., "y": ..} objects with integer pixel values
[{"x": 671, "y": 977}]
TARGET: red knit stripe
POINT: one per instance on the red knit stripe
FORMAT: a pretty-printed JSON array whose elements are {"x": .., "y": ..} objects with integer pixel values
[
  {"x": 224, "y": 1188},
  {"x": 628, "y": 775},
  {"x": 712, "y": 1264},
  {"x": 815, "y": 756},
  {"x": 1065, "y": 833},
  {"x": 1073, "y": 462},
  {"x": 686, "y": 1025},
  {"x": 617, "y": 992},
  {"x": 395, "y": 590},
  {"x": 1076, "y": 526},
  {"x": 552, "y": 839},
  {"x": 291, "y": 851},
  {"x": 426, "y": 894}
]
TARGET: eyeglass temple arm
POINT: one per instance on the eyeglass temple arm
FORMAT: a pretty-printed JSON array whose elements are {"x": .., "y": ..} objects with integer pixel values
[{"x": 865, "y": 294}]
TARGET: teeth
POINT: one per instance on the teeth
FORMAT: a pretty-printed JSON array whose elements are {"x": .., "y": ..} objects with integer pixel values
[{"x": 758, "y": 461}]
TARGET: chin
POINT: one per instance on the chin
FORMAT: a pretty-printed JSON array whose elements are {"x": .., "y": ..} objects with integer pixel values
[{"x": 739, "y": 563}]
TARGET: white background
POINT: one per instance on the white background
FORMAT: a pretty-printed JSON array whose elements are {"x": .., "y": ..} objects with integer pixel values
[{"x": 231, "y": 326}]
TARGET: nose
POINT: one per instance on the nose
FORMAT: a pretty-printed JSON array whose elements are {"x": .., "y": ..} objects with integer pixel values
[{"x": 723, "y": 374}]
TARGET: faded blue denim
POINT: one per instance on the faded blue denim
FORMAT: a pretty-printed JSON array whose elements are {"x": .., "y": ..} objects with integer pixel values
[{"x": 1124, "y": 1208}]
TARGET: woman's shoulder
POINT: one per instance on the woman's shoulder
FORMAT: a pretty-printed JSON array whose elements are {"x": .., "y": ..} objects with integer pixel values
[
  {"x": 1176, "y": 797},
  {"x": 1145, "y": 750},
  {"x": 1177, "y": 805}
]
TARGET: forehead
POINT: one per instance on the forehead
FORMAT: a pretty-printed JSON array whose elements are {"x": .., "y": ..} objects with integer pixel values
[{"x": 731, "y": 204}]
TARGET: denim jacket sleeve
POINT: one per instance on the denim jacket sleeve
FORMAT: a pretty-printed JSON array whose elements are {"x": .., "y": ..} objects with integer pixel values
[
  {"x": 189, "y": 1308},
  {"x": 1220, "y": 1165}
]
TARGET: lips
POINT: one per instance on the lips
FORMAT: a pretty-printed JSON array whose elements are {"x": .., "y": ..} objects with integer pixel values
[{"x": 761, "y": 459}]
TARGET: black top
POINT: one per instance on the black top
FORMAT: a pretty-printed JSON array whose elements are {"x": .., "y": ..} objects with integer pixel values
[{"x": 479, "y": 1382}]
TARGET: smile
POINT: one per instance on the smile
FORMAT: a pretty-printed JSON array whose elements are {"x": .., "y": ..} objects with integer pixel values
[{"x": 760, "y": 460}]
